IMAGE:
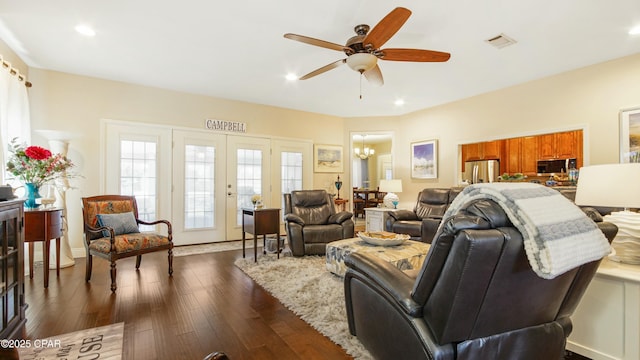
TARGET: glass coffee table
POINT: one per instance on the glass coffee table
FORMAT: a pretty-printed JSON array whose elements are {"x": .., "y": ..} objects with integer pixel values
[{"x": 407, "y": 256}]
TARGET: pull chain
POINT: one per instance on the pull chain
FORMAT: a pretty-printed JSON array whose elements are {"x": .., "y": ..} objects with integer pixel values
[{"x": 360, "y": 85}]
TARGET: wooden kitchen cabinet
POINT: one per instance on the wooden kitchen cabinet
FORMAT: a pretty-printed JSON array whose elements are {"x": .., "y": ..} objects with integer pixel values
[
  {"x": 471, "y": 152},
  {"x": 488, "y": 150},
  {"x": 569, "y": 144},
  {"x": 529, "y": 159},
  {"x": 547, "y": 146},
  {"x": 562, "y": 145},
  {"x": 520, "y": 156},
  {"x": 491, "y": 150},
  {"x": 513, "y": 156}
]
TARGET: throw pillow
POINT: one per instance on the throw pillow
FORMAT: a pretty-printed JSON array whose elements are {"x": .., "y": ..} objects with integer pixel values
[{"x": 121, "y": 223}]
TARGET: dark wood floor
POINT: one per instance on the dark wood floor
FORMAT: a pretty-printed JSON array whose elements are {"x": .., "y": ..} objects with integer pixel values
[{"x": 208, "y": 305}]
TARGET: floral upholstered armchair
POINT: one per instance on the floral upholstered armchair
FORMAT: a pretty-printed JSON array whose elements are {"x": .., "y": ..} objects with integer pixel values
[{"x": 111, "y": 232}]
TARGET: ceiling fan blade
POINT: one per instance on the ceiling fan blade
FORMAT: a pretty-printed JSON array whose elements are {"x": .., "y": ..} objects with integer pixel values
[
  {"x": 388, "y": 26},
  {"x": 414, "y": 55},
  {"x": 316, "y": 42},
  {"x": 374, "y": 76},
  {"x": 323, "y": 69}
]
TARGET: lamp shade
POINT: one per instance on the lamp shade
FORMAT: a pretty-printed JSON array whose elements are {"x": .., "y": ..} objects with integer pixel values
[
  {"x": 362, "y": 62},
  {"x": 392, "y": 186},
  {"x": 610, "y": 185}
]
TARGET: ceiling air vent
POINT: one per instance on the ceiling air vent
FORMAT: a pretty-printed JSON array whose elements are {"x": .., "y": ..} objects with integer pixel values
[{"x": 501, "y": 41}]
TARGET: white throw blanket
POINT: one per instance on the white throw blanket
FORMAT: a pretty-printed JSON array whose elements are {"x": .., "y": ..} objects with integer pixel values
[{"x": 557, "y": 235}]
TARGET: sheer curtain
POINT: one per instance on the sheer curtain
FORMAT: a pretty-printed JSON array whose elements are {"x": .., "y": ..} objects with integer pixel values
[{"x": 14, "y": 114}]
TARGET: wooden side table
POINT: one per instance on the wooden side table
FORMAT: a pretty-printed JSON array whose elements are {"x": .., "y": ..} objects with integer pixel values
[
  {"x": 261, "y": 222},
  {"x": 341, "y": 203},
  {"x": 43, "y": 225}
]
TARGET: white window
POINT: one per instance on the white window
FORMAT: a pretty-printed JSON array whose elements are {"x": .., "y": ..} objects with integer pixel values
[
  {"x": 199, "y": 189},
  {"x": 138, "y": 175},
  {"x": 249, "y": 183},
  {"x": 291, "y": 172}
]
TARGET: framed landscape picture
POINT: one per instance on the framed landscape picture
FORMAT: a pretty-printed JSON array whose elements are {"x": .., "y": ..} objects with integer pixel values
[
  {"x": 327, "y": 158},
  {"x": 630, "y": 135},
  {"x": 424, "y": 159}
]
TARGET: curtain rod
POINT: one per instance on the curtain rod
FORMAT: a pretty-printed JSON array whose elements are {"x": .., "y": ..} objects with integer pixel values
[{"x": 15, "y": 72}]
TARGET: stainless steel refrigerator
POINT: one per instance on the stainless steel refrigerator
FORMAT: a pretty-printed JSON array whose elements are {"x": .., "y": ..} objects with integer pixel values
[{"x": 481, "y": 171}]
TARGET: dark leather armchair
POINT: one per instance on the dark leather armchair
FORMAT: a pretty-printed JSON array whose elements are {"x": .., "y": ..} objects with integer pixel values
[
  {"x": 422, "y": 222},
  {"x": 475, "y": 297},
  {"x": 311, "y": 222}
]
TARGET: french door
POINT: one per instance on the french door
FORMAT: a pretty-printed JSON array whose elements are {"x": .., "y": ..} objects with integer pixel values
[
  {"x": 247, "y": 175},
  {"x": 137, "y": 162},
  {"x": 198, "y": 180},
  {"x": 199, "y": 192}
]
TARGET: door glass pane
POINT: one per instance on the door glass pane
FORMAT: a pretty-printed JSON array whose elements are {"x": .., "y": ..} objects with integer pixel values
[
  {"x": 138, "y": 176},
  {"x": 199, "y": 187},
  {"x": 249, "y": 181},
  {"x": 291, "y": 173}
]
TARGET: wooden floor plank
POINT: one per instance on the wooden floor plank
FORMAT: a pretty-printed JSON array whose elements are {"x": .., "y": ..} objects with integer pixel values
[{"x": 208, "y": 305}]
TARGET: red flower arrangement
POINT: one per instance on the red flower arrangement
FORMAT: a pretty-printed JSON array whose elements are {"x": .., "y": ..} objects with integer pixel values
[
  {"x": 37, "y": 153},
  {"x": 35, "y": 164}
]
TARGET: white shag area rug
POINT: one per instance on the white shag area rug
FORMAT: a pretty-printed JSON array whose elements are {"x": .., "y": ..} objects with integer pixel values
[{"x": 307, "y": 288}]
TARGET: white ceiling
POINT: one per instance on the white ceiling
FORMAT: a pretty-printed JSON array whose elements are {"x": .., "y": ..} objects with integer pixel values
[{"x": 236, "y": 50}]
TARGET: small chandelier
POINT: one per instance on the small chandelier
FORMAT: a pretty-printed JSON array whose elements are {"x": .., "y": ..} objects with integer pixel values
[{"x": 363, "y": 152}]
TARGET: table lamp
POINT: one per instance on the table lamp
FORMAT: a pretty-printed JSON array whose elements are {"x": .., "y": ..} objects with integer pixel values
[
  {"x": 615, "y": 185},
  {"x": 338, "y": 185},
  {"x": 391, "y": 187}
]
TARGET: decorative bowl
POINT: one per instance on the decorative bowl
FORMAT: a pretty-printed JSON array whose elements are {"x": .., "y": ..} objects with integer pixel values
[{"x": 383, "y": 238}]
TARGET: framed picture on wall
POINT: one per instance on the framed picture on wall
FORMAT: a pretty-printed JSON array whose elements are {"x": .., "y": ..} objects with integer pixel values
[
  {"x": 424, "y": 159},
  {"x": 328, "y": 158},
  {"x": 630, "y": 135}
]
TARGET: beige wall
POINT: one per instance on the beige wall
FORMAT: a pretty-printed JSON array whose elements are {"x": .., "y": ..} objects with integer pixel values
[{"x": 588, "y": 98}]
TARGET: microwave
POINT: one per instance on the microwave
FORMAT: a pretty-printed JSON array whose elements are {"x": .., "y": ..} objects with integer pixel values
[{"x": 556, "y": 166}]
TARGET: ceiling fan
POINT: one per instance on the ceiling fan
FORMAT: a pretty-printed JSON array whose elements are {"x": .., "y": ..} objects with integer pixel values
[{"x": 363, "y": 50}]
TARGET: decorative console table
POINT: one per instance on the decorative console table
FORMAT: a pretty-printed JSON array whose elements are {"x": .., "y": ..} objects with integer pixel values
[
  {"x": 12, "y": 264},
  {"x": 43, "y": 225},
  {"x": 606, "y": 323}
]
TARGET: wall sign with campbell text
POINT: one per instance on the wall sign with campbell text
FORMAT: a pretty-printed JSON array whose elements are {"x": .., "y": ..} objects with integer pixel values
[{"x": 224, "y": 125}]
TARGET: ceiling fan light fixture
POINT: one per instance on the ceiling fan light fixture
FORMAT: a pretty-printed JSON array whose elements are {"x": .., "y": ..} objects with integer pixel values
[{"x": 362, "y": 62}]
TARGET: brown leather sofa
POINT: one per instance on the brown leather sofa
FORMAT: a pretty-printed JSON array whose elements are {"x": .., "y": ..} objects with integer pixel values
[
  {"x": 422, "y": 222},
  {"x": 476, "y": 296},
  {"x": 311, "y": 222}
]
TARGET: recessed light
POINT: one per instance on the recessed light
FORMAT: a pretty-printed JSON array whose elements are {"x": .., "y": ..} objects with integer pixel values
[
  {"x": 398, "y": 102},
  {"x": 635, "y": 30},
  {"x": 85, "y": 30},
  {"x": 291, "y": 77}
]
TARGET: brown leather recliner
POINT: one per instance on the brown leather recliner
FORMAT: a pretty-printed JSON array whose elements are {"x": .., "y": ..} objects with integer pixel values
[
  {"x": 422, "y": 222},
  {"x": 475, "y": 297},
  {"x": 311, "y": 222}
]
